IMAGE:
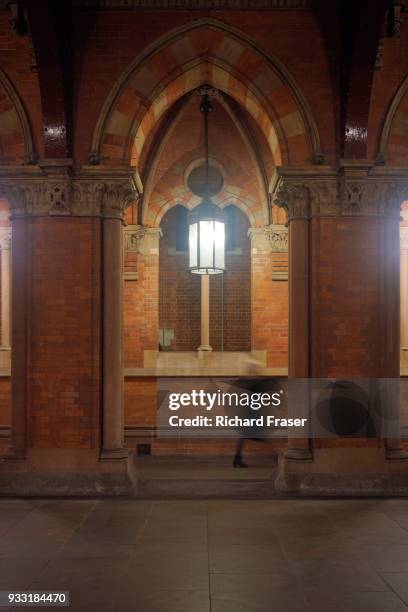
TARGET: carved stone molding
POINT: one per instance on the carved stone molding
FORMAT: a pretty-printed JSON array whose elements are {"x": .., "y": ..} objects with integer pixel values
[
  {"x": 259, "y": 240},
  {"x": 141, "y": 240},
  {"x": 86, "y": 198},
  {"x": 58, "y": 191},
  {"x": 324, "y": 197},
  {"x": 372, "y": 198},
  {"x": 354, "y": 191},
  {"x": 116, "y": 197},
  {"x": 131, "y": 238},
  {"x": 269, "y": 239},
  {"x": 278, "y": 238},
  {"x": 294, "y": 198}
]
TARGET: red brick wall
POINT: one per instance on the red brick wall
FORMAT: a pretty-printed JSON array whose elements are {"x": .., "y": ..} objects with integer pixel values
[
  {"x": 140, "y": 402},
  {"x": 63, "y": 400},
  {"x": 141, "y": 300},
  {"x": 5, "y": 402},
  {"x": 141, "y": 410},
  {"x": 269, "y": 311},
  {"x": 347, "y": 296}
]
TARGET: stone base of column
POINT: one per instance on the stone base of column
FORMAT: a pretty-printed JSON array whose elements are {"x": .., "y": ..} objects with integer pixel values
[
  {"x": 5, "y": 359},
  {"x": 204, "y": 355},
  {"x": 299, "y": 454},
  {"x": 343, "y": 472},
  {"x": 404, "y": 360},
  {"x": 110, "y": 454},
  {"x": 396, "y": 454},
  {"x": 66, "y": 473},
  {"x": 14, "y": 454}
]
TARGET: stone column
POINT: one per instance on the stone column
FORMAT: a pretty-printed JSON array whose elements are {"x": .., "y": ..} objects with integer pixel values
[
  {"x": 16, "y": 197},
  {"x": 5, "y": 240},
  {"x": 393, "y": 291},
  {"x": 295, "y": 199},
  {"x": 404, "y": 296},
  {"x": 115, "y": 198},
  {"x": 19, "y": 272},
  {"x": 85, "y": 205}
]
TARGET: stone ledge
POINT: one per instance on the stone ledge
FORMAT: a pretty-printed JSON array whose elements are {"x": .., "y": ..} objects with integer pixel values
[
  {"x": 66, "y": 473},
  {"x": 66, "y": 484},
  {"x": 342, "y": 485}
]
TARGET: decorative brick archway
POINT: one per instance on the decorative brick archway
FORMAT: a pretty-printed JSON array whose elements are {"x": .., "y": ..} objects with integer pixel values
[
  {"x": 394, "y": 132},
  {"x": 205, "y": 52},
  {"x": 16, "y": 140}
]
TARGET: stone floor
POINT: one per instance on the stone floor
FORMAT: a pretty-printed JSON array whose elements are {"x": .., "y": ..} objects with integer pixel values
[{"x": 197, "y": 556}]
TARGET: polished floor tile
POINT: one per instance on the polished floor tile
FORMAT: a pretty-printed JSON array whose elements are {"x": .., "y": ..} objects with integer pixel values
[{"x": 218, "y": 555}]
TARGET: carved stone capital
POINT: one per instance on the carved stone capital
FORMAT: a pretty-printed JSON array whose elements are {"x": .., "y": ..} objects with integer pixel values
[
  {"x": 116, "y": 197},
  {"x": 278, "y": 238},
  {"x": 370, "y": 197},
  {"x": 356, "y": 188},
  {"x": 47, "y": 197},
  {"x": 269, "y": 239},
  {"x": 142, "y": 240},
  {"x": 324, "y": 198},
  {"x": 367, "y": 190},
  {"x": 58, "y": 190},
  {"x": 86, "y": 198},
  {"x": 294, "y": 198},
  {"x": 16, "y": 197}
]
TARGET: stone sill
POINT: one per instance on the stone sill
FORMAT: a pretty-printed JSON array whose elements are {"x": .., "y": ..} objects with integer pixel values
[{"x": 212, "y": 363}]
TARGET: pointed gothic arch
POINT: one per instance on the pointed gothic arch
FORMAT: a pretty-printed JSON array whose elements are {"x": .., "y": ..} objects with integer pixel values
[
  {"x": 205, "y": 51},
  {"x": 16, "y": 138}
]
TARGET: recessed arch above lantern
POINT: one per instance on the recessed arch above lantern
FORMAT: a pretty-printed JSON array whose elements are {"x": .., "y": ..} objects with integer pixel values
[{"x": 200, "y": 54}]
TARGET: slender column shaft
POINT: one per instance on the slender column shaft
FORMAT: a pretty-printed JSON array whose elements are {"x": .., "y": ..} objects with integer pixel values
[
  {"x": 392, "y": 335},
  {"x": 205, "y": 313},
  {"x": 404, "y": 293},
  {"x": 19, "y": 275},
  {"x": 113, "y": 384},
  {"x": 5, "y": 295},
  {"x": 299, "y": 281}
]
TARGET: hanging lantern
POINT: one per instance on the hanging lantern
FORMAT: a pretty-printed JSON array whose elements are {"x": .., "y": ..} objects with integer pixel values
[
  {"x": 207, "y": 239},
  {"x": 206, "y": 223}
]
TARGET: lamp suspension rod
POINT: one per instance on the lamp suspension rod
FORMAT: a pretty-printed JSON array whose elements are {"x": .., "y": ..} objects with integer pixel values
[{"x": 206, "y": 108}]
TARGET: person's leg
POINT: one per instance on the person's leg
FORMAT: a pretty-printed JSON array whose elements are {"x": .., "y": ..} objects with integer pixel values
[{"x": 238, "y": 462}]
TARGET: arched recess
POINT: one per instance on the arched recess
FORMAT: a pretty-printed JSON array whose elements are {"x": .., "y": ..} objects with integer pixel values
[
  {"x": 16, "y": 139},
  {"x": 179, "y": 290},
  {"x": 392, "y": 147},
  {"x": 153, "y": 208},
  {"x": 205, "y": 51}
]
